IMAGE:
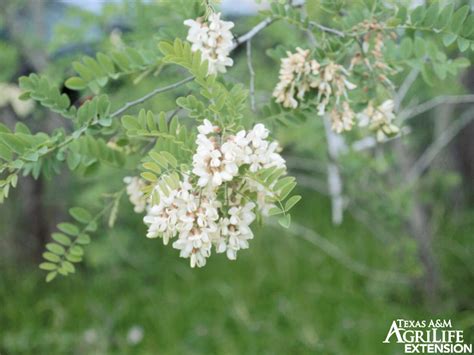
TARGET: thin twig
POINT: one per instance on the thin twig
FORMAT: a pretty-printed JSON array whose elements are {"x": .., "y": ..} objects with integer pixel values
[
  {"x": 172, "y": 114},
  {"x": 269, "y": 20},
  {"x": 150, "y": 95},
  {"x": 327, "y": 29},
  {"x": 250, "y": 34},
  {"x": 125, "y": 107},
  {"x": 433, "y": 150},
  {"x": 430, "y": 104},
  {"x": 237, "y": 42},
  {"x": 319, "y": 26},
  {"x": 252, "y": 76},
  {"x": 260, "y": 26},
  {"x": 337, "y": 254},
  {"x": 242, "y": 39}
]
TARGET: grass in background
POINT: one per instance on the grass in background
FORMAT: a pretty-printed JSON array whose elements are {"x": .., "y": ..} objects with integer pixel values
[{"x": 282, "y": 296}]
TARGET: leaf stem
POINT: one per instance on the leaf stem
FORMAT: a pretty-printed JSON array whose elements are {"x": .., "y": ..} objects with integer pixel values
[
  {"x": 117, "y": 196},
  {"x": 150, "y": 95}
]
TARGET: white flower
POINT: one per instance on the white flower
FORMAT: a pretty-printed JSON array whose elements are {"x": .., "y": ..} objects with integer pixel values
[
  {"x": 386, "y": 108},
  {"x": 162, "y": 219},
  {"x": 298, "y": 75},
  {"x": 342, "y": 120},
  {"x": 365, "y": 116},
  {"x": 257, "y": 135},
  {"x": 213, "y": 39},
  {"x": 295, "y": 77},
  {"x": 216, "y": 163},
  {"x": 207, "y": 127},
  {"x": 212, "y": 162},
  {"x": 332, "y": 82},
  {"x": 379, "y": 119},
  {"x": 183, "y": 213},
  {"x": 198, "y": 230},
  {"x": 235, "y": 231},
  {"x": 135, "y": 194}
]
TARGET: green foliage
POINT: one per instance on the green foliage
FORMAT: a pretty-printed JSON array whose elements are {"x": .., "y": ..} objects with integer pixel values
[
  {"x": 426, "y": 55},
  {"x": 167, "y": 146},
  {"x": 21, "y": 144},
  {"x": 19, "y": 150},
  {"x": 225, "y": 103},
  {"x": 340, "y": 293},
  {"x": 170, "y": 136},
  {"x": 195, "y": 107},
  {"x": 33, "y": 153},
  {"x": 417, "y": 48},
  {"x": 39, "y": 89},
  {"x": 95, "y": 111},
  {"x": 66, "y": 249},
  {"x": 279, "y": 186},
  {"x": 278, "y": 114},
  {"x": 180, "y": 53},
  {"x": 84, "y": 153},
  {"x": 10, "y": 181},
  {"x": 229, "y": 104},
  {"x": 455, "y": 25},
  {"x": 95, "y": 73},
  {"x": 289, "y": 14},
  {"x": 114, "y": 283},
  {"x": 161, "y": 169},
  {"x": 159, "y": 162}
]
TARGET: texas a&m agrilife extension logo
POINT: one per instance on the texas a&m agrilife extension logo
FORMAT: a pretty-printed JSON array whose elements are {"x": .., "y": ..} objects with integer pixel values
[{"x": 435, "y": 336}]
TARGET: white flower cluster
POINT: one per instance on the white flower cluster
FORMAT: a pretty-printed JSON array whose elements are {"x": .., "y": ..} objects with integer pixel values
[
  {"x": 135, "y": 193},
  {"x": 213, "y": 39},
  {"x": 190, "y": 215},
  {"x": 299, "y": 74},
  {"x": 211, "y": 205},
  {"x": 217, "y": 161},
  {"x": 342, "y": 118},
  {"x": 295, "y": 77},
  {"x": 332, "y": 81},
  {"x": 379, "y": 119}
]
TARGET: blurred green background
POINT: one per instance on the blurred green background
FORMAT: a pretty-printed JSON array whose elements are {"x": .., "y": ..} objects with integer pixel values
[{"x": 317, "y": 289}]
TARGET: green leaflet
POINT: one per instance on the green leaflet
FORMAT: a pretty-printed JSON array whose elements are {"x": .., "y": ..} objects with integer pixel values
[
  {"x": 88, "y": 150},
  {"x": 454, "y": 25},
  {"x": 280, "y": 187},
  {"x": 171, "y": 137},
  {"x": 66, "y": 248},
  {"x": 95, "y": 73},
  {"x": 39, "y": 89}
]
